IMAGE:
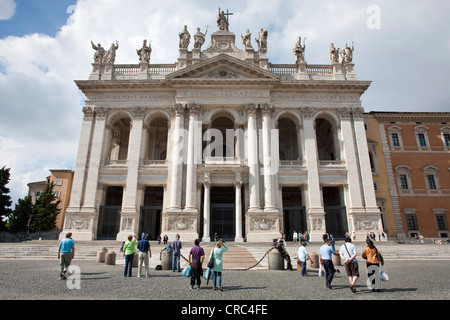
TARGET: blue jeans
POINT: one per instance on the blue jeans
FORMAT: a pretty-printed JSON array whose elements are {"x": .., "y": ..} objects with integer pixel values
[
  {"x": 176, "y": 262},
  {"x": 217, "y": 275},
  {"x": 128, "y": 264},
  {"x": 303, "y": 272}
]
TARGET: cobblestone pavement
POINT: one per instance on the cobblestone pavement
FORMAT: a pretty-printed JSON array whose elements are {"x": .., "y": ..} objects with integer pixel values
[{"x": 38, "y": 279}]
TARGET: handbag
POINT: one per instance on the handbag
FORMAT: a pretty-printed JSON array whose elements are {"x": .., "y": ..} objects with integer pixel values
[
  {"x": 211, "y": 260},
  {"x": 379, "y": 257},
  {"x": 186, "y": 272}
]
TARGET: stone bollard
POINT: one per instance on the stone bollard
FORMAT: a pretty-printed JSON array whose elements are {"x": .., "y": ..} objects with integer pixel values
[
  {"x": 166, "y": 260},
  {"x": 276, "y": 261},
  {"x": 101, "y": 254},
  {"x": 136, "y": 259},
  {"x": 315, "y": 260},
  {"x": 336, "y": 258},
  {"x": 110, "y": 258}
]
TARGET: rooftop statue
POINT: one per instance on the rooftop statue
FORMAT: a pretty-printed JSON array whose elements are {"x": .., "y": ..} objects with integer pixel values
[
  {"x": 262, "y": 40},
  {"x": 144, "y": 53},
  {"x": 185, "y": 38},
  {"x": 99, "y": 52},
  {"x": 246, "y": 40},
  {"x": 110, "y": 56},
  {"x": 299, "y": 50},
  {"x": 347, "y": 53},
  {"x": 334, "y": 53},
  {"x": 222, "y": 21},
  {"x": 199, "y": 38}
]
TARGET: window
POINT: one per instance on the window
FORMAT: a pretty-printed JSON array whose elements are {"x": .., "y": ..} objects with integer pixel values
[
  {"x": 403, "y": 178},
  {"x": 411, "y": 222},
  {"x": 431, "y": 182},
  {"x": 447, "y": 139},
  {"x": 422, "y": 141},
  {"x": 431, "y": 177},
  {"x": 403, "y": 181},
  {"x": 58, "y": 182},
  {"x": 440, "y": 219},
  {"x": 422, "y": 136},
  {"x": 57, "y": 194},
  {"x": 445, "y": 134},
  {"x": 395, "y": 141},
  {"x": 395, "y": 135}
]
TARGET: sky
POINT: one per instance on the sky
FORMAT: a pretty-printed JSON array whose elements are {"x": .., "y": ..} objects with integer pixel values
[{"x": 402, "y": 46}]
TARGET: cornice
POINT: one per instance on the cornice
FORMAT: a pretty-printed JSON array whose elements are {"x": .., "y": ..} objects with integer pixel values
[{"x": 409, "y": 116}]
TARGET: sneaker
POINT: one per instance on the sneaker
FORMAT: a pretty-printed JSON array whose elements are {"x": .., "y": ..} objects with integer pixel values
[
  {"x": 198, "y": 287},
  {"x": 191, "y": 287}
]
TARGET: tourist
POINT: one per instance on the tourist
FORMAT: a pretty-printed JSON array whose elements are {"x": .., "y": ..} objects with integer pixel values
[
  {"x": 176, "y": 246},
  {"x": 325, "y": 255},
  {"x": 196, "y": 257},
  {"x": 66, "y": 252},
  {"x": 281, "y": 248},
  {"x": 217, "y": 269},
  {"x": 348, "y": 254},
  {"x": 165, "y": 238},
  {"x": 295, "y": 237},
  {"x": 303, "y": 256},
  {"x": 159, "y": 239},
  {"x": 306, "y": 235},
  {"x": 373, "y": 258},
  {"x": 145, "y": 253},
  {"x": 129, "y": 249},
  {"x": 332, "y": 241}
]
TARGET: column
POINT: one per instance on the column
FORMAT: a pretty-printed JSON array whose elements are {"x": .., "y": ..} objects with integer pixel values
[
  {"x": 206, "y": 209},
  {"x": 129, "y": 204},
  {"x": 252, "y": 144},
  {"x": 176, "y": 158},
  {"x": 90, "y": 194},
  {"x": 313, "y": 191},
  {"x": 238, "y": 205},
  {"x": 351, "y": 160},
  {"x": 82, "y": 160},
  {"x": 268, "y": 159},
  {"x": 191, "y": 174}
]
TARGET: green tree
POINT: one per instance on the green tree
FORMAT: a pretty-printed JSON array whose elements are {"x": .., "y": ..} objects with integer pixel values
[
  {"x": 5, "y": 199},
  {"x": 45, "y": 211},
  {"x": 20, "y": 217}
]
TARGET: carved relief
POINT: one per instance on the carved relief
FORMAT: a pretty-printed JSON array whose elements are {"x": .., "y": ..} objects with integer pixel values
[
  {"x": 78, "y": 223},
  {"x": 263, "y": 224},
  {"x": 185, "y": 224}
]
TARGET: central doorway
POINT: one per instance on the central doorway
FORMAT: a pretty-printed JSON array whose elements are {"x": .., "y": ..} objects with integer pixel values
[
  {"x": 294, "y": 216},
  {"x": 223, "y": 213},
  {"x": 150, "y": 217}
]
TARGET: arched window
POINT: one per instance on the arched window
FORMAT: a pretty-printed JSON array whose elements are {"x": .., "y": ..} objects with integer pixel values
[
  {"x": 326, "y": 140},
  {"x": 120, "y": 134},
  {"x": 158, "y": 132},
  {"x": 288, "y": 141}
]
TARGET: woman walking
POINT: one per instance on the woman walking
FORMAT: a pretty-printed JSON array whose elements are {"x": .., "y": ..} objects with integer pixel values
[
  {"x": 218, "y": 264},
  {"x": 373, "y": 259}
]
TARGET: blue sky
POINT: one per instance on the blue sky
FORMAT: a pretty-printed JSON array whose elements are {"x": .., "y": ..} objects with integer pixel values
[
  {"x": 45, "y": 46},
  {"x": 37, "y": 16}
]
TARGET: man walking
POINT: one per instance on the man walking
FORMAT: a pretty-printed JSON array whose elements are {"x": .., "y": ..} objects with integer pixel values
[
  {"x": 145, "y": 253},
  {"x": 348, "y": 253},
  {"x": 325, "y": 254},
  {"x": 176, "y": 246},
  {"x": 66, "y": 252}
]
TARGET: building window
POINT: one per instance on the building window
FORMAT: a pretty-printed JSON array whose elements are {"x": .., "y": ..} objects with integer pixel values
[
  {"x": 411, "y": 222},
  {"x": 431, "y": 177},
  {"x": 447, "y": 139},
  {"x": 440, "y": 219},
  {"x": 395, "y": 141},
  {"x": 403, "y": 177},
  {"x": 422, "y": 136},
  {"x": 422, "y": 141},
  {"x": 431, "y": 182},
  {"x": 395, "y": 136},
  {"x": 58, "y": 182},
  {"x": 403, "y": 181},
  {"x": 57, "y": 194}
]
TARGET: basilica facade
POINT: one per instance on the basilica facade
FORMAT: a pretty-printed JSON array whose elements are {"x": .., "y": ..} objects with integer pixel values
[{"x": 222, "y": 141}]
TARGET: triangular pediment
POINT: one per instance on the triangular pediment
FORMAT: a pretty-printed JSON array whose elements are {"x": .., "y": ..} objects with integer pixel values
[{"x": 223, "y": 67}]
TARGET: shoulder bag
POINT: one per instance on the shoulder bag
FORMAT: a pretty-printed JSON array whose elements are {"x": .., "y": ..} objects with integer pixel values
[{"x": 211, "y": 260}]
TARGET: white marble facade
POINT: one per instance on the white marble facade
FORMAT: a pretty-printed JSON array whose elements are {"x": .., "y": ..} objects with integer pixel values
[{"x": 222, "y": 119}]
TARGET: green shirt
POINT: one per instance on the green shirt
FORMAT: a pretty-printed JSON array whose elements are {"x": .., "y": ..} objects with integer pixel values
[{"x": 129, "y": 247}]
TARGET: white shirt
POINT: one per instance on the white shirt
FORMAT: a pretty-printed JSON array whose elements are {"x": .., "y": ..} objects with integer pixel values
[
  {"x": 351, "y": 249},
  {"x": 302, "y": 254}
]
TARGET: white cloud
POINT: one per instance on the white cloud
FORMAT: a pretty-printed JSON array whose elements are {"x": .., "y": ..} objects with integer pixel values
[
  {"x": 41, "y": 106},
  {"x": 7, "y": 9}
]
